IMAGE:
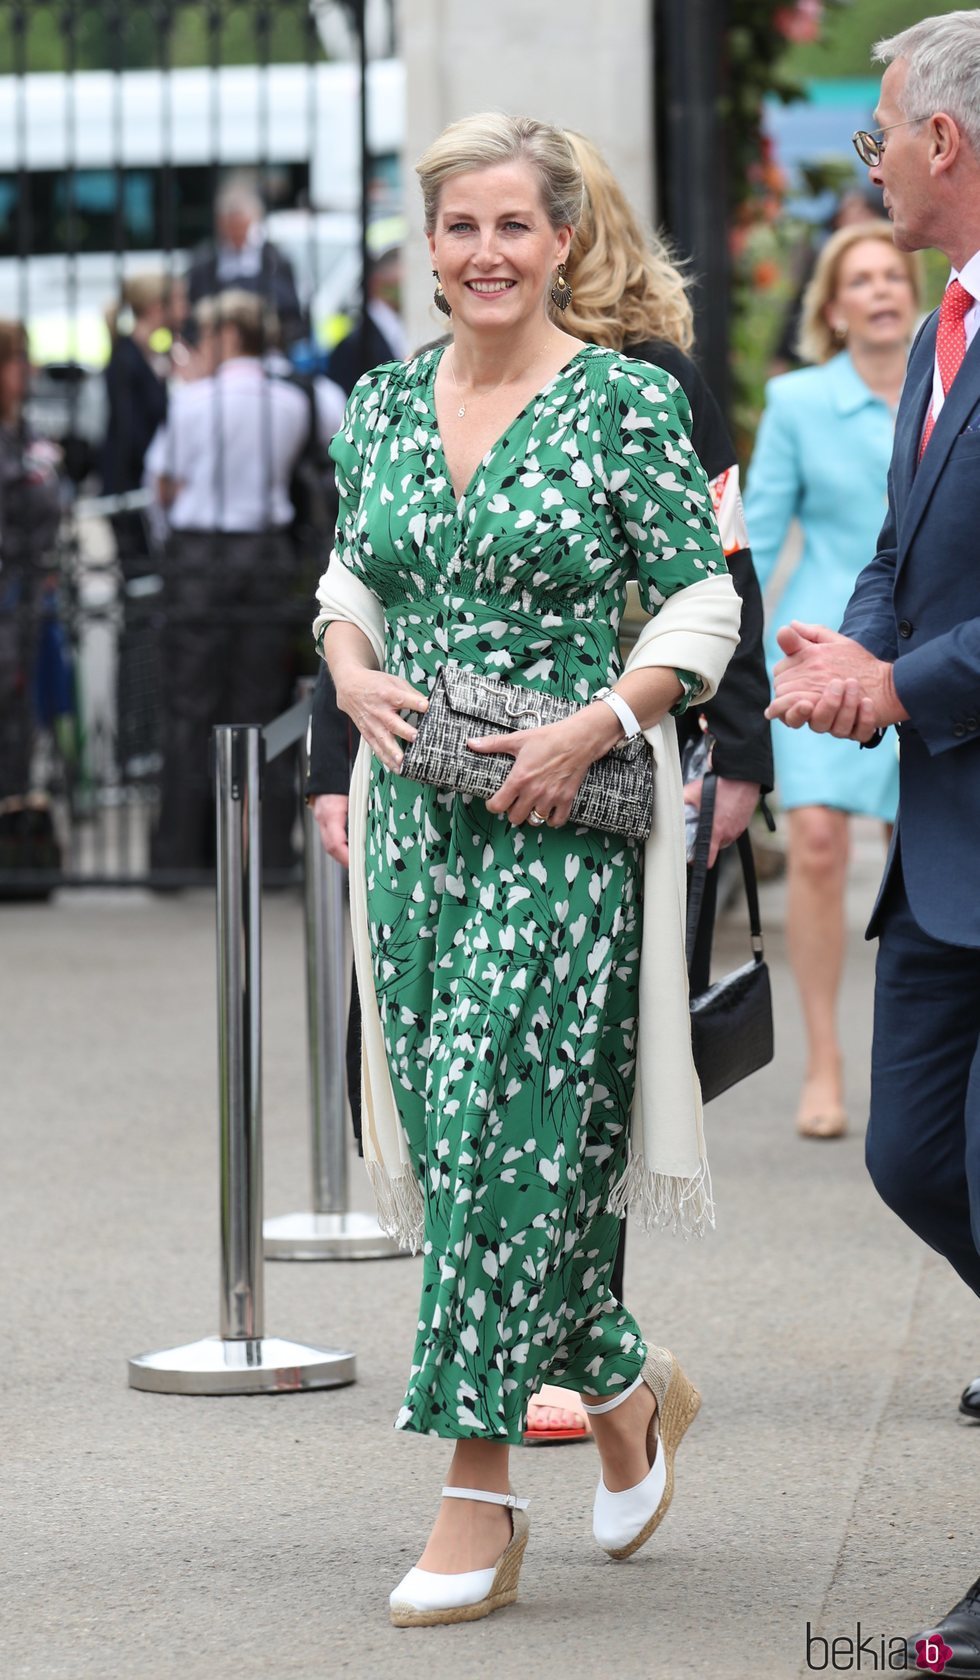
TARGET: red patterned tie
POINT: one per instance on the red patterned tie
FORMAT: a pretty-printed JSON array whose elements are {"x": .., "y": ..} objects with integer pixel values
[{"x": 950, "y": 343}]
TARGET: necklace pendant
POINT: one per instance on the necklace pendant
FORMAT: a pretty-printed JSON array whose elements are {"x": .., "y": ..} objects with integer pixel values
[{"x": 461, "y": 411}]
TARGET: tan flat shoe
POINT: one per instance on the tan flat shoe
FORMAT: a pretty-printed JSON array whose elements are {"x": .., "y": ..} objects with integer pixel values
[{"x": 831, "y": 1123}]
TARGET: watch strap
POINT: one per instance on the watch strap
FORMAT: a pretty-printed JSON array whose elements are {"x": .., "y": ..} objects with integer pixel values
[{"x": 624, "y": 712}]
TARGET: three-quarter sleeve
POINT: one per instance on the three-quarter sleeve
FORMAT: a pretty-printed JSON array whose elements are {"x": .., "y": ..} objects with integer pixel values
[
  {"x": 346, "y": 453},
  {"x": 658, "y": 490}
]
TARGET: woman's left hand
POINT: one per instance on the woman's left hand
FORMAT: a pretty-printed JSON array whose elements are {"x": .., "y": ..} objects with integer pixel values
[{"x": 549, "y": 764}]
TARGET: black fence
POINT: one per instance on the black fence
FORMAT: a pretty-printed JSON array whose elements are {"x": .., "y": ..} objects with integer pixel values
[{"x": 190, "y": 195}]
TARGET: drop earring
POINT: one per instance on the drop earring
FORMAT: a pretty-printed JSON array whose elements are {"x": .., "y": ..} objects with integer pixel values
[
  {"x": 439, "y": 296},
  {"x": 561, "y": 291}
]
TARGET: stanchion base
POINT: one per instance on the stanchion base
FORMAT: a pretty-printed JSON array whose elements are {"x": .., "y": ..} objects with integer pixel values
[
  {"x": 262, "y": 1366},
  {"x": 328, "y": 1236}
]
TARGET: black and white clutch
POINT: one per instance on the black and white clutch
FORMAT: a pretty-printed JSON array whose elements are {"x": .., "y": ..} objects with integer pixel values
[{"x": 616, "y": 795}]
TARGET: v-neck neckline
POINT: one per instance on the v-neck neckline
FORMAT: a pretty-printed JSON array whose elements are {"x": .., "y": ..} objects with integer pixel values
[{"x": 481, "y": 465}]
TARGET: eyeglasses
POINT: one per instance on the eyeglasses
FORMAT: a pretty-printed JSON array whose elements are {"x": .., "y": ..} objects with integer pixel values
[{"x": 870, "y": 148}]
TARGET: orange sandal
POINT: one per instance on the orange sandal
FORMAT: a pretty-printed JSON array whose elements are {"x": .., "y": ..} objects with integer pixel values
[{"x": 560, "y": 1400}]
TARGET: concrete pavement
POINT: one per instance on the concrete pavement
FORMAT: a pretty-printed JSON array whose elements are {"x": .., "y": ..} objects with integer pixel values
[{"x": 145, "y": 1537}]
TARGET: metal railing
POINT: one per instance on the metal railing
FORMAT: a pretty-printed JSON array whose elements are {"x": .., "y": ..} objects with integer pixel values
[{"x": 242, "y": 1358}]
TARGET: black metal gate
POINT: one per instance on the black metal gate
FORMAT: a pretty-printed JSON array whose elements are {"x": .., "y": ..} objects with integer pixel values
[{"x": 120, "y": 125}]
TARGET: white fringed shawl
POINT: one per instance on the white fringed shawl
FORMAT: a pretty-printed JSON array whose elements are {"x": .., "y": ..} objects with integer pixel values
[{"x": 666, "y": 1183}]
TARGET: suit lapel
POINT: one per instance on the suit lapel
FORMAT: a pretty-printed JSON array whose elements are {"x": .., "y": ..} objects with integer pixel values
[{"x": 959, "y": 405}]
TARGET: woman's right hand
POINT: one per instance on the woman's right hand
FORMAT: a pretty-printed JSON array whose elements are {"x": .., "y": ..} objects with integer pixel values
[{"x": 374, "y": 702}]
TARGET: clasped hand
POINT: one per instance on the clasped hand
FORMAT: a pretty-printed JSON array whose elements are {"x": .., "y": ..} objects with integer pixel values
[{"x": 832, "y": 684}]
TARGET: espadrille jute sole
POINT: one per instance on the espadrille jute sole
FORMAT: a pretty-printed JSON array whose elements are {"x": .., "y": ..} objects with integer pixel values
[
  {"x": 502, "y": 1592},
  {"x": 673, "y": 1419}
]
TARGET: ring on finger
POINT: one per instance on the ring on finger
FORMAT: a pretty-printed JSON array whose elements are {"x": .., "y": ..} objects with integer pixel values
[{"x": 535, "y": 818}]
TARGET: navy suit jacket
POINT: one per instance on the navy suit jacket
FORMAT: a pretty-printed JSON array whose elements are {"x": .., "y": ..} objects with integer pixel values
[{"x": 918, "y": 604}]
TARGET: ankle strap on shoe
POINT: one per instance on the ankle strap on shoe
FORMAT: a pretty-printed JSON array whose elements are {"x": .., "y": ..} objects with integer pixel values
[
  {"x": 509, "y": 1499},
  {"x": 617, "y": 1399}
]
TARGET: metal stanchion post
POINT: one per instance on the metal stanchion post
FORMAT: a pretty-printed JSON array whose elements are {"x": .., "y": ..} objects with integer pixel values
[
  {"x": 242, "y": 1360},
  {"x": 331, "y": 1231}
]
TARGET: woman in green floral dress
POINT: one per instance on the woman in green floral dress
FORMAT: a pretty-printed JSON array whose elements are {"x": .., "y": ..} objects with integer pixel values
[{"x": 496, "y": 498}]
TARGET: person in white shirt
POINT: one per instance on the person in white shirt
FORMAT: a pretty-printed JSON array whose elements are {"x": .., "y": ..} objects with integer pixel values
[{"x": 222, "y": 466}]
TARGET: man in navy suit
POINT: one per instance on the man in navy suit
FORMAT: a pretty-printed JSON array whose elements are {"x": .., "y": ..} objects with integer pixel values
[{"x": 908, "y": 654}]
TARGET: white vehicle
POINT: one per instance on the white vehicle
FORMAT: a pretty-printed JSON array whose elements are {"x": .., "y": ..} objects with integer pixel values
[{"x": 121, "y": 172}]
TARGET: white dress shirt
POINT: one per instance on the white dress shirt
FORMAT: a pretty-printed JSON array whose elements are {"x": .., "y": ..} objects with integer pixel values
[
  {"x": 968, "y": 276},
  {"x": 241, "y": 262},
  {"x": 231, "y": 443}
]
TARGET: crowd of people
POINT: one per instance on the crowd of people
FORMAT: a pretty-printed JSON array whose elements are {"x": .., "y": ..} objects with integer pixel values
[{"x": 221, "y": 500}]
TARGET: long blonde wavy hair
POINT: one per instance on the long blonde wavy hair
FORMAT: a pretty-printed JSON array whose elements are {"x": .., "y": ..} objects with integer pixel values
[{"x": 625, "y": 285}]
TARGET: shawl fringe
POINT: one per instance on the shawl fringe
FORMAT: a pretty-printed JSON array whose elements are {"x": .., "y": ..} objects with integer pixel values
[
  {"x": 401, "y": 1211},
  {"x": 664, "y": 1202}
]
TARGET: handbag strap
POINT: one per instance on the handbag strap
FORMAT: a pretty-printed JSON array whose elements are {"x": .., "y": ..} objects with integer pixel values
[
  {"x": 699, "y": 864},
  {"x": 699, "y": 873}
]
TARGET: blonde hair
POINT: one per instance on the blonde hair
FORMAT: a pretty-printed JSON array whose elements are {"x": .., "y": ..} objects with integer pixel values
[
  {"x": 491, "y": 138},
  {"x": 138, "y": 295},
  {"x": 816, "y": 341},
  {"x": 625, "y": 285},
  {"x": 246, "y": 312}
]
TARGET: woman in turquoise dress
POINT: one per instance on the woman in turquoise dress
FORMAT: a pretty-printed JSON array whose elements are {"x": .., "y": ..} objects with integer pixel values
[
  {"x": 821, "y": 457},
  {"x": 497, "y": 495}
]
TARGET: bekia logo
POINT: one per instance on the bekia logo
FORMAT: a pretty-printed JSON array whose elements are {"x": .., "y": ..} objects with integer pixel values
[
  {"x": 874, "y": 1653},
  {"x": 932, "y": 1653}
]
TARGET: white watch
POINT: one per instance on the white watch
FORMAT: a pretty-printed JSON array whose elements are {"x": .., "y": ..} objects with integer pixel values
[{"x": 625, "y": 713}]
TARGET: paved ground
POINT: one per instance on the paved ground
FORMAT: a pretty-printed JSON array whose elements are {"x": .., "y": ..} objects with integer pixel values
[{"x": 154, "y": 1538}]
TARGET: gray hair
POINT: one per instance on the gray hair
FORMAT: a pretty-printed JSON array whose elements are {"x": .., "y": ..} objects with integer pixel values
[
  {"x": 491, "y": 138},
  {"x": 943, "y": 59},
  {"x": 239, "y": 197}
]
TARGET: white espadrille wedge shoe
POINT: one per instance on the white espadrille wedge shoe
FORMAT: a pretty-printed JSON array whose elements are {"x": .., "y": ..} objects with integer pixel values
[
  {"x": 425, "y": 1599},
  {"x": 623, "y": 1522}
]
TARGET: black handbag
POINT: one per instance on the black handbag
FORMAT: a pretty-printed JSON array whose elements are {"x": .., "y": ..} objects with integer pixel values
[{"x": 731, "y": 1023}]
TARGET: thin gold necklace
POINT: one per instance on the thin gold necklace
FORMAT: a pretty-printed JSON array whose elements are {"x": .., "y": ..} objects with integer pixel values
[{"x": 461, "y": 410}]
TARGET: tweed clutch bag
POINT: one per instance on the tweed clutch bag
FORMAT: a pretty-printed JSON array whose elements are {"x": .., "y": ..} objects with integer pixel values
[{"x": 616, "y": 795}]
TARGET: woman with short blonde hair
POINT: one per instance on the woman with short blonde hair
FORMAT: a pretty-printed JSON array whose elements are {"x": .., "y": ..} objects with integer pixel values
[
  {"x": 818, "y": 340},
  {"x": 821, "y": 456},
  {"x": 496, "y": 496}
]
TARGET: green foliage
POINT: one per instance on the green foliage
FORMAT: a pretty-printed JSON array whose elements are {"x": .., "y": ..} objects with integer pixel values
[
  {"x": 768, "y": 251},
  {"x": 142, "y": 34},
  {"x": 845, "y": 46}
]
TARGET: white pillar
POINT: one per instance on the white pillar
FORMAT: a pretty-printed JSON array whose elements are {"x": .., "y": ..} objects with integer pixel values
[{"x": 584, "y": 64}]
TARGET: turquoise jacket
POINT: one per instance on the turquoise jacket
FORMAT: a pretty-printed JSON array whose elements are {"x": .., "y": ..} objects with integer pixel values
[{"x": 821, "y": 456}]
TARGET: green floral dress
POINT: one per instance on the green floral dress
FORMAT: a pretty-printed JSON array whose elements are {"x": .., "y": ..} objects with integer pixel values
[{"x": 506, "y": 959}]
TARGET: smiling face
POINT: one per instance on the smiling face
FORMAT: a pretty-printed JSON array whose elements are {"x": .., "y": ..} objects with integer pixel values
[
  {"x": 903, "y": 173},
  {"x": 874, "y": 300},
  {"x": 494, "y": 247}
]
